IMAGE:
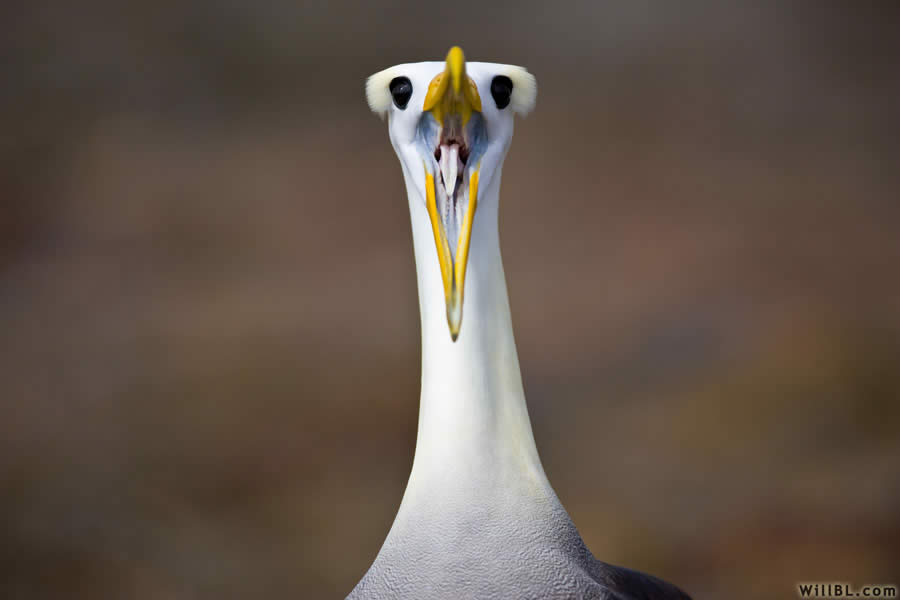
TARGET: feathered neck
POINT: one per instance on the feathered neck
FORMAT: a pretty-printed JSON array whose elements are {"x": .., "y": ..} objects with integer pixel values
[{"x": 473, "y": 422}]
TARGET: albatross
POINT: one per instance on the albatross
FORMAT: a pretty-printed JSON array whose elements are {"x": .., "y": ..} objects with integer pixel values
[{"x": 479, "y": 518}]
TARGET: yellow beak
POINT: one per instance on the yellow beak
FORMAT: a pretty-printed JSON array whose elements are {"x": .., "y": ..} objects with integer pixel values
[{"x": 452, "y": 97}]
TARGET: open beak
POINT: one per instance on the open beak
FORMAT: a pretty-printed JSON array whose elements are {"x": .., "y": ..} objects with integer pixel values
[{"x": 453, "y": 101}]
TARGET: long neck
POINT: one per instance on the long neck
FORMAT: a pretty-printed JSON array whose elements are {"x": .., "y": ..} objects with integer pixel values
[{"x": 473, "y": 422}]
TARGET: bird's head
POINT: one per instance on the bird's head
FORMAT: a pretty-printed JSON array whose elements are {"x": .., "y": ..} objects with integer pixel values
[{"x": 451, "y": 123}]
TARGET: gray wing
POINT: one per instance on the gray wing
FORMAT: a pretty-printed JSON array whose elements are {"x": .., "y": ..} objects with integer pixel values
[{"x": 628, "y": 584}]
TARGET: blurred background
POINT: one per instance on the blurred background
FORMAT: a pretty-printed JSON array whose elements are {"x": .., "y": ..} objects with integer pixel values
[{"x": 210, "y": 354}]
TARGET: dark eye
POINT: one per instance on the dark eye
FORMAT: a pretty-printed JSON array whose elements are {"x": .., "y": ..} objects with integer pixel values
[
  {"x": 501, "y": 90},
  {"x": 401, "y": 90}
]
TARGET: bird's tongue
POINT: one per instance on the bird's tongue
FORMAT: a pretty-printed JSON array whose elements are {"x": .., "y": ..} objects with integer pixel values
[{"x": 451, "y": 167}]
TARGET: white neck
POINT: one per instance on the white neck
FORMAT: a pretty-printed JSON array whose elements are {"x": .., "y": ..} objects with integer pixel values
[{"x": 474, "y": 431}]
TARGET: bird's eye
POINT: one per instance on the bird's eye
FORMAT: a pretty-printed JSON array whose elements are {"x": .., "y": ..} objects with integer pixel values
[
  {"x": 501, "y": 90},
  {"x": 401, "y": 90}
]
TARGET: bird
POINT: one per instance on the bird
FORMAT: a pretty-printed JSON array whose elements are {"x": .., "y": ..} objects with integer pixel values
[{"x": 478, "y": 518}]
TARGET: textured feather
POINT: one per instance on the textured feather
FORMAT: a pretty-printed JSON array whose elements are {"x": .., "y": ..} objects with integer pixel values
[
  {"x": 378, "y": 93},
  {"x": 498, "y": 548},
  {"x": 524, "y": 92}
]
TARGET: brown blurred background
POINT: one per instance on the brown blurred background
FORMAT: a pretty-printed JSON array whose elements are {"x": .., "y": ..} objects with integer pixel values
[{"x": 210, "y": 355}]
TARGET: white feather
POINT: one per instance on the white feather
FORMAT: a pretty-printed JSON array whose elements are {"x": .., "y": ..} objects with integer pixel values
[
  {"x": 378, "y": 93},
  {"x": 524, "y": 92}
]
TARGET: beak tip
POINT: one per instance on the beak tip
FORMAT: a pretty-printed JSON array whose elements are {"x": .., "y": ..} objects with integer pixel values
[
  {"x": 456, "y": 66},
  {"x": 454, "y": 321}
]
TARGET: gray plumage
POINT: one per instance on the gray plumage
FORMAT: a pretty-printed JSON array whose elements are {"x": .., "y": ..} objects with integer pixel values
[{"x": 527, "y": 550}]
